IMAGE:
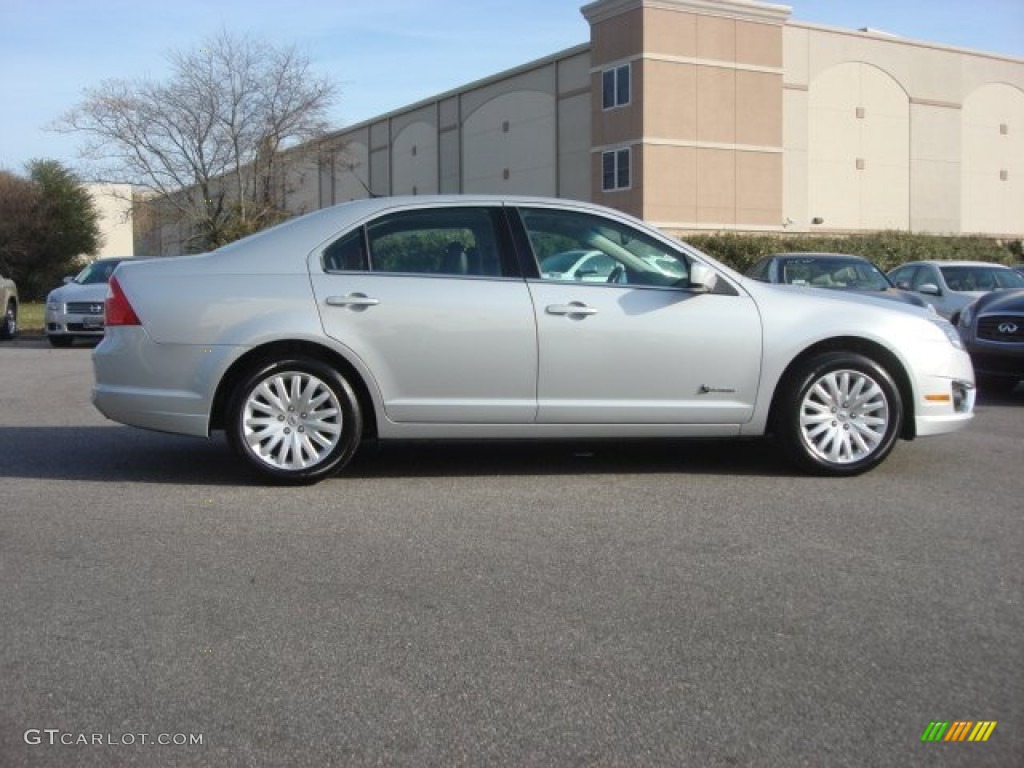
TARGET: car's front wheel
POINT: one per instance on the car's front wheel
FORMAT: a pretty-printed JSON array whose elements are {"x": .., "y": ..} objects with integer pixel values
[
  {"x": 841, "y": 415},
  {"x": 9, "y": 322},
  {"x": 294, "y": 421}
]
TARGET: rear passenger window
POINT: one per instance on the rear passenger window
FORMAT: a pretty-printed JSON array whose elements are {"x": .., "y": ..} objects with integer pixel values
[
  {"x": 347, "y": 254},
  {"x": 444, "y": 241}
]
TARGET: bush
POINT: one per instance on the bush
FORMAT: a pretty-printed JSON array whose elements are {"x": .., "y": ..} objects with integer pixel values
[{"x": 886, "y": 249}]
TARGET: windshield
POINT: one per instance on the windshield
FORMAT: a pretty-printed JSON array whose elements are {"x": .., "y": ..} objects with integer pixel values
[
  {"x": 980, "y": 278},
  {"x": 849, "y": 274},
  {"x": 97, "y": 272}
]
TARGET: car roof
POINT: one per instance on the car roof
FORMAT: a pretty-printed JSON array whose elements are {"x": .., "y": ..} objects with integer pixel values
[
  {"x": 953, "y": 263},
  {"x": 817, "y": 255},
  {"x": 321, "y": 224}
]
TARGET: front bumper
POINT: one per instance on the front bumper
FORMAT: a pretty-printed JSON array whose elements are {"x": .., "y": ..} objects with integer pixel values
[
  {"x": 996, "y": 359},
  {"x": 944, "y": 390},
  {"x": 61, "y": 322}
]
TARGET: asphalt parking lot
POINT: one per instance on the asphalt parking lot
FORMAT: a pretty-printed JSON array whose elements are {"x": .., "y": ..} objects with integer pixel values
[{"x": 462, "y": 605}]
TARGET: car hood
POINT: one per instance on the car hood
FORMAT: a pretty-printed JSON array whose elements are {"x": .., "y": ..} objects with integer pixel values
[
  {"x": 894, "y": 294},
  {"x": 1001, "y": 301},
  {"x": 76, "y": 292},
  {"x": 853, "y": 298}
]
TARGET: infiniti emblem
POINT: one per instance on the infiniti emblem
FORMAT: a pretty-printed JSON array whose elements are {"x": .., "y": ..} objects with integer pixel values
[{"x": 1008, "y": 328}]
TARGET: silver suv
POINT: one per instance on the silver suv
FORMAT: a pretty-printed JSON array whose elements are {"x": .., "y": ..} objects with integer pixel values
[{"x": 9, "y": 303}]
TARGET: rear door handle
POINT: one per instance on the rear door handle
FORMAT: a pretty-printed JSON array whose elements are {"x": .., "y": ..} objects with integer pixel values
[
  {"x": 354, "y": 300},
  {"x": 572, "y": 308}
]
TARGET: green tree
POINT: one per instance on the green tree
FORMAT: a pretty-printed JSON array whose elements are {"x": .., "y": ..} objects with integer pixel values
[
  {"x": 47, "y": 221},
  {"x": 20, "y": 200}
]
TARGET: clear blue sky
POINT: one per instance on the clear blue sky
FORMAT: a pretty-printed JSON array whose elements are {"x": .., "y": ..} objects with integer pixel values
[{"x": 383, "y": 53}]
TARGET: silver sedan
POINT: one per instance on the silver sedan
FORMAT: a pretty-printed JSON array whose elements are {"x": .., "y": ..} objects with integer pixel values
[{"x": 431, "y": 318}]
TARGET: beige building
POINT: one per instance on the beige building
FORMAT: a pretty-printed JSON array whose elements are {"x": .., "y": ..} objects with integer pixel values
[
  {"x": 714, "y": 115},
  {"x": 113, "y": 203}
]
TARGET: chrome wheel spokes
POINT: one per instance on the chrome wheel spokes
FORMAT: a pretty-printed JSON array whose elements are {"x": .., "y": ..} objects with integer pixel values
[
  {"x": 292, "y": 420},
  {"x": 844, "y": 416}
]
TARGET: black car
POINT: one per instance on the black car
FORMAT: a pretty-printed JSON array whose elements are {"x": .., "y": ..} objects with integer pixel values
[
  {"x": 837, "y": 271},
  {"x": 992, "y": 328}
]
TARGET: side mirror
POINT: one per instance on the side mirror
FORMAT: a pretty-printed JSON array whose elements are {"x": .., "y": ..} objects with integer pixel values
[
  {"x": 930, "y": 288},
  {"x": 702, "y": 278},
  {"x": 67, "y": 279}
]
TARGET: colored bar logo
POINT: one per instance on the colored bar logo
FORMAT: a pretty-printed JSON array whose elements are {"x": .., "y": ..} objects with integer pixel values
[{"x": 958, "y": 730}]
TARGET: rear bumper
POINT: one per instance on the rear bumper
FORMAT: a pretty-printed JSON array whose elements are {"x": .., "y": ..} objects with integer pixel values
[{"x": 164, "y": 387}]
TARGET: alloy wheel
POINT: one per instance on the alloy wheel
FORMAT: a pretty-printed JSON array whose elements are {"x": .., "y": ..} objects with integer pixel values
[
  {"x": 844, "y": 417},
  {"x": 292, "y": 420}
]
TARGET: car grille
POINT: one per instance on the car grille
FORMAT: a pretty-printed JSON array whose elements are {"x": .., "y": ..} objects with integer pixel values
[
  {"x": 85, "y": 307},
  {"x": 1006, "y": 328}
]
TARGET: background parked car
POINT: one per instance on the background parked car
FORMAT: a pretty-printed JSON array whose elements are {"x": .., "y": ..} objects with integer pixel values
[
  {"x": 952, "y": 285},
  {"x": 9, "y": 306},
  {"x": 75, "y": 310},
  {"x": 992, "y": 328},
  {"x": 837, "y": 271}
]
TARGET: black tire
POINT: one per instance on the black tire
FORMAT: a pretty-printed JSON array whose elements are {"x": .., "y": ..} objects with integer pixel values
[
  {"x": 9, "y": 322},
  {"x": 61, "y": 341},
  {"x": 841, "y": 414},
  {"x": 268, "y": 428}
]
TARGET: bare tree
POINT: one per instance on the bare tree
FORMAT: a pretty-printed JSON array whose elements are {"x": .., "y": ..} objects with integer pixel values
[{"x": 209, "y": 141}]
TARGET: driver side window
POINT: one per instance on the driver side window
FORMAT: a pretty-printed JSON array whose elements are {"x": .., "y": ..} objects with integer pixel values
[{"x": 580, "y": 247}]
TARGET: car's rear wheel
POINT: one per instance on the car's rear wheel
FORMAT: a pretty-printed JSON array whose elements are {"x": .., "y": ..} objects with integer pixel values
[
  {"x": 294, "y": 421},
  {"x": 9, "y": 322},
  {"x": 841, "y": 416},
  {"x": 61, "y": 341}
]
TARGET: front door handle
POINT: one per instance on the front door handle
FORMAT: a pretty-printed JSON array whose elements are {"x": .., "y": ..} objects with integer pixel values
[
  {"x": 353, "y": 300},
  {"x": 572, "y": 308}
]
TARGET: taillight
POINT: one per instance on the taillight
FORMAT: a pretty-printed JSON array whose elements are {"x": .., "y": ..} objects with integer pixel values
[{"x": 118, "y": 310}]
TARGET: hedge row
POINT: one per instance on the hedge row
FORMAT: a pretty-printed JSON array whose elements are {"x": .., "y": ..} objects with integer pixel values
[{"x": 886, "y": 249}]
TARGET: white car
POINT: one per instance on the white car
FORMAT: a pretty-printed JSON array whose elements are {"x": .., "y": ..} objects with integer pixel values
[
  {"x": 75, "y": 310},
  {"x": 432, "y": 318}
]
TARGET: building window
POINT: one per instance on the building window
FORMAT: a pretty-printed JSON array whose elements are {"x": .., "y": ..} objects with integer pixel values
[
  {"x": 615, "y": 87},
  {"x": 615, "y": 172}
]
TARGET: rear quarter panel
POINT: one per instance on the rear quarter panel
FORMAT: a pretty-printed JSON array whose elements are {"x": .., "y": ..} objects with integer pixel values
[{"x": 209, "y": 301}]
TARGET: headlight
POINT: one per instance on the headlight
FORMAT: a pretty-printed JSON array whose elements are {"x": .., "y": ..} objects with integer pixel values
[
  {"x": 52, "y": 306},
  {"x": 966, "y": 316},
  {"x": 947, "y": 328}
]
